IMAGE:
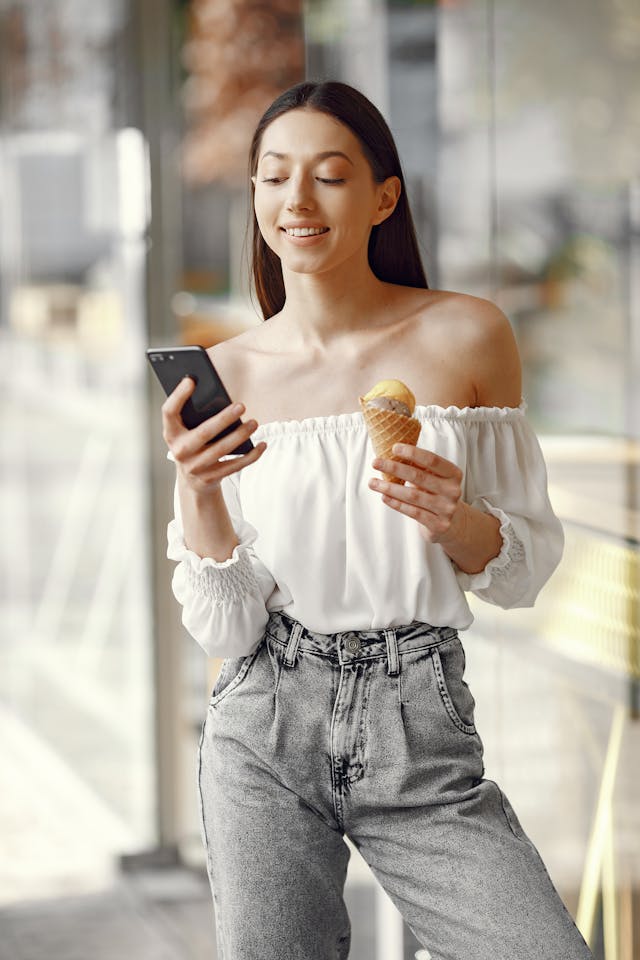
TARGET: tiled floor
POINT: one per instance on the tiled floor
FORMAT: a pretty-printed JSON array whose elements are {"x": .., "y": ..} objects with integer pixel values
[{"x": 158, "y": 917}]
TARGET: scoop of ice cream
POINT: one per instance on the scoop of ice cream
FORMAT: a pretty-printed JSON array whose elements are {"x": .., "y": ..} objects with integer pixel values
[
  {"x": 387, "y": 411},
  {"x": 390, "y": 403},
  {"x": 392, "y": 390}
]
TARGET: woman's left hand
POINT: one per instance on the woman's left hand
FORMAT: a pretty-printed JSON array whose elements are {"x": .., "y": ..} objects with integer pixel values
[{"x": 431, "y": 493}]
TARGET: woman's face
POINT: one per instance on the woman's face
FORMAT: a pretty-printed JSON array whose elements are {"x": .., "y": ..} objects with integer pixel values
[{"x": 315, "y": 196}]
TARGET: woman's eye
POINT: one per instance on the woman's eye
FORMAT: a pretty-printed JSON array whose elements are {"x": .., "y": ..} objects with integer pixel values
[{"x": 330, "y": 180}]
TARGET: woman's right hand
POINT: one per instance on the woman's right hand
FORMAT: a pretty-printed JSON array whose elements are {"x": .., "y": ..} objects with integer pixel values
[{"x": 197, "y": 461}]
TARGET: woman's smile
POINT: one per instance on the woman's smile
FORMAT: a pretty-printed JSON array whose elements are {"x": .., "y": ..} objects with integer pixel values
[{"x": 304, "y": 235}]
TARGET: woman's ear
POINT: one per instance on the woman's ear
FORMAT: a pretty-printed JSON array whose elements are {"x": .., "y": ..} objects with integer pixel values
[{"x": 388, "y": 197}]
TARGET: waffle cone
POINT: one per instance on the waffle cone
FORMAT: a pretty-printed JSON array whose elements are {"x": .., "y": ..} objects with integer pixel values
[{"x": 386, "y": 428}]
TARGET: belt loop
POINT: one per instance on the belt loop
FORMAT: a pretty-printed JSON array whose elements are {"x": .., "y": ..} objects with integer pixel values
[
  {"x": 292, "y": 646},
  {"x": 393, "y": 660}
]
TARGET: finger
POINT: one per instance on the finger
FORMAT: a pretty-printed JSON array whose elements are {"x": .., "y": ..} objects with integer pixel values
[
  {"x": 177, "y": 397},
  {"x": 414, "y": 497},
  {"x": 214, "y": 425},
  {"x": 172, "y": 421},
  {"x": 426, "y": 459},
  {"x": 409, "y": 473},
  {"x": 444, "y": 489},
  {"x": 409, "y": 509},
  {"x": 408, "y": 494},
  {"x": 432, "y": 525},
  {"x": 239, "y": 463},
  {"x": 197, "y": 439},
  {"x": 205, "y": 458},
  {"x": 223, "y": 468},
  {"x": 427, "y": 508},
  {"x": 226, "y": 445}
]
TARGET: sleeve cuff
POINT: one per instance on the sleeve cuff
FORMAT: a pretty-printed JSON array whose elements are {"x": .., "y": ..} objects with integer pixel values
[
  {"x": 225, "y": 585},
  {"x": 219, "y": 581},
  {"x": 177, "y": 549},
  {"x": 512, "y": 552}
]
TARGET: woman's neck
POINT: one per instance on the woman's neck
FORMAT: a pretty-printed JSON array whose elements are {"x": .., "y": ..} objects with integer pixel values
[{"x": 324, "y": 309}]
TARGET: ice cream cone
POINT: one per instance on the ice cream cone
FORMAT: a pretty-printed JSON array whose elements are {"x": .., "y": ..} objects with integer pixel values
[{"x": 386, "y": 428}]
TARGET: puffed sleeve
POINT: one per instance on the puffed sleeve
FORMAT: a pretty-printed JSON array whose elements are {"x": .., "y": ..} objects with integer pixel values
[
  {"x": 224, "y": 603},
  {"x": 507, "y": 477}
]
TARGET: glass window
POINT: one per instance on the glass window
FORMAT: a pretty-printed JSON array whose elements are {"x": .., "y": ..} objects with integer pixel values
[{"x": 76, "y": 677}]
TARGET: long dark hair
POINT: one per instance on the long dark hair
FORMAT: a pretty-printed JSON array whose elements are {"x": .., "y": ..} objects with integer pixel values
[{"x": 393, "y": 247}]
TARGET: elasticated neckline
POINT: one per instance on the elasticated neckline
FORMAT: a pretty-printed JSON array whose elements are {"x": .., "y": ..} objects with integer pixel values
[{"x": 339, "y": 422}]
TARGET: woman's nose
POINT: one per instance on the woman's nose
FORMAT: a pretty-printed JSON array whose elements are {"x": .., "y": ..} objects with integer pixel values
[{"x": 299, "y": 195}]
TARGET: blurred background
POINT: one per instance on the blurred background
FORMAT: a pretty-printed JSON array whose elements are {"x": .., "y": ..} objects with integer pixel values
[{"x": 124, "y": 126}]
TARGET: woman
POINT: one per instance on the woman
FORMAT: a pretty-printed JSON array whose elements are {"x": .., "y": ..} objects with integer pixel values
[{"x": 335, "y": 597}]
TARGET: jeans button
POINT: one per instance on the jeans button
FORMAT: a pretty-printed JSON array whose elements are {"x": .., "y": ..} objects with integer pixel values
[{"x": 353, "y": 644}]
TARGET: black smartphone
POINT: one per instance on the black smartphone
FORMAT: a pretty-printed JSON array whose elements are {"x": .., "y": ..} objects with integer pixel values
[{"x": 172, "y": 364}]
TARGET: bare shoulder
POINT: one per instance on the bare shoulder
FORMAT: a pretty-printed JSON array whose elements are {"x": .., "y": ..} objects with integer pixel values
[
  {"x": 482, "y": 340},
  {"x": 234, "y": 359}
]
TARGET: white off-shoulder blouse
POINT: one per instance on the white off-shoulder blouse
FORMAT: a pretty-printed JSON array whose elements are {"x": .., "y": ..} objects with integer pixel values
[{"x": 317, "y": 543}]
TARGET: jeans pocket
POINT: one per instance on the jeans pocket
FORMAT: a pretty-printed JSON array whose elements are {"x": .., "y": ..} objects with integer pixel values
[
  {"x": 229, "y": 669},
  {"x": 448, "y": 666},
  {"x": 232, "y": 673}
]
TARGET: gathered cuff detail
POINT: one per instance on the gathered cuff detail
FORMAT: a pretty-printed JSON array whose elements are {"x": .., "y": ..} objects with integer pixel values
[
  {"x": 512, "y": 552},
  {"x": 230, "y": 582},
  {"x": 219, "y": 581}
]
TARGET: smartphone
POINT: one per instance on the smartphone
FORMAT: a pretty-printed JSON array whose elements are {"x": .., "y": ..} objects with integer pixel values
[{"x": 172, "y": 364}]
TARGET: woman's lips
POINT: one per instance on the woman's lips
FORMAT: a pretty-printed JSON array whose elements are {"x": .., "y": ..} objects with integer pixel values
[
  {"x": 301, "y": 237},
  {"x": 305, "y": 230}
]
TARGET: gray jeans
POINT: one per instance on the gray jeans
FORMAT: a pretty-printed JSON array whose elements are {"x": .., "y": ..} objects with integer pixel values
[{"x": 369, "y": 734}]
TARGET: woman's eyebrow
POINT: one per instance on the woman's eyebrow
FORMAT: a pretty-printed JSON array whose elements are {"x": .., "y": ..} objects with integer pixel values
[{"x": 318, "y": 156}]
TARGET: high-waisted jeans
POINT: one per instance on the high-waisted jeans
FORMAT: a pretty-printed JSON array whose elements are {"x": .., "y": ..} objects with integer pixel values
[{"x": 369, "y": 734}]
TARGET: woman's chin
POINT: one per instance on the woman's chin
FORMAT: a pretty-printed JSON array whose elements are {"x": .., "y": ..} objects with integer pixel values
[
  {"x": 305, "y": 265},
  {"x": 321, "y": 264}
]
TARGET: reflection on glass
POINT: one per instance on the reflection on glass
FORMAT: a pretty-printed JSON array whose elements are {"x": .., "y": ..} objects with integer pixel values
[
  {"x": 538, "y": 166},
  {"x": 75, "y": 683}
]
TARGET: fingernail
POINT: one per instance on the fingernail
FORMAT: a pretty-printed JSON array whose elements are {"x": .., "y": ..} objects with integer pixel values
[{"x": 238, "y": 407}]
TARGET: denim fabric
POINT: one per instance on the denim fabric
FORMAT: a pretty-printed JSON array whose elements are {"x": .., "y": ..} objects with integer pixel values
[{"x": 369, "y": 734}]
